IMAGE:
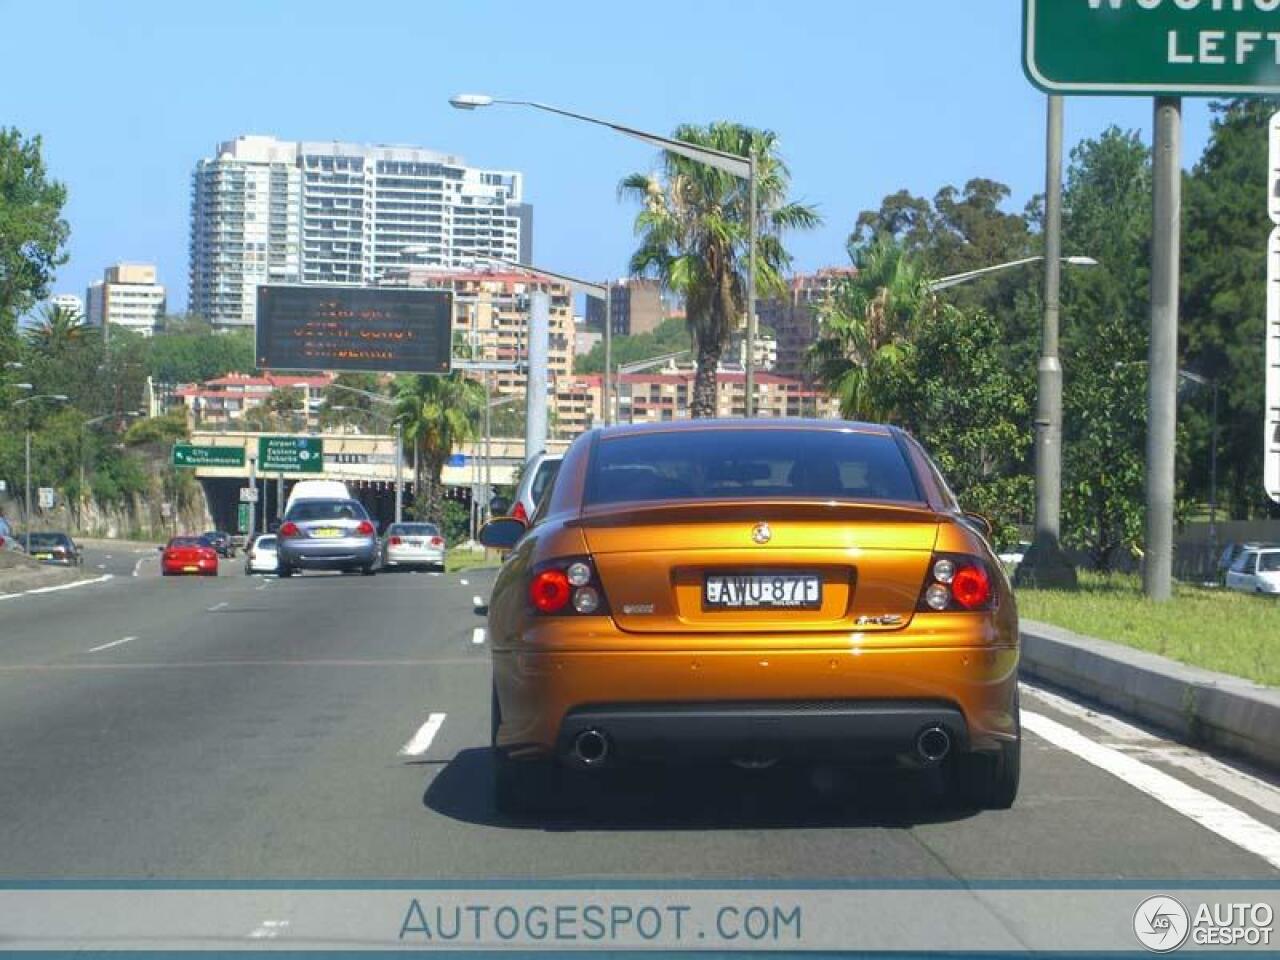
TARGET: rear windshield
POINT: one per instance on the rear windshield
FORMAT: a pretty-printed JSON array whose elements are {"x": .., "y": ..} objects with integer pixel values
[
  {"x": 414, "y": 530},
  {"x": 265, "y": 543},
  {"x": 547, "y": 471},
  {"x": 188, "y": 542},
  {"x": 327, "y": 510},
  {"x": 732, "y": 464},
  {"x": 49, "y": 540}
]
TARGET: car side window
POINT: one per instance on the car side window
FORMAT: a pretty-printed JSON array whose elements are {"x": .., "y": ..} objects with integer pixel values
[
  {"x": 540, "y": 508},
  {"x": 1251, "y": 563}
]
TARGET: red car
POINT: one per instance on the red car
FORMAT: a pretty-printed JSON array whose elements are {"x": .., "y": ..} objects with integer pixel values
[{"x": 189, "y": 555}]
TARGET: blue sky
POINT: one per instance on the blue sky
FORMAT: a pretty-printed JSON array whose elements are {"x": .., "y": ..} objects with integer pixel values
[{"x": 868, "y": 97}]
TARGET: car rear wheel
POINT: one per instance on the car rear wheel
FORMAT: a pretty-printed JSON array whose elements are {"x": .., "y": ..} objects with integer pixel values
[
  {"x": 520, "y": 787},
  {"x": 368, "y": 571},
  {"x": 284, "y": 571},
  {"x": 989, "y": 781}
]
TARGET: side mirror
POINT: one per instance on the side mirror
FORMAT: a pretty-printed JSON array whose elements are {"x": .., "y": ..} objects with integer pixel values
[
  {"x": 499, "y": 507},
  {"x": 981, "y": 524},
  {"x": 160, "y": 548},
  {"x": 502, "y": 533}
]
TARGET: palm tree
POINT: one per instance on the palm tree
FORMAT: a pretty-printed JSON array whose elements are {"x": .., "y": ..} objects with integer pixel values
[
  {"x": 438, "y": 413},
  {"x": 694, "y": 229},
  {"x": 870, "y": 317},
  {"x": 57, "y": 329}
]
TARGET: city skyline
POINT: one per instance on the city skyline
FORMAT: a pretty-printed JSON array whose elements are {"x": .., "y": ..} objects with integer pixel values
[{"x": 127, "y": 168}]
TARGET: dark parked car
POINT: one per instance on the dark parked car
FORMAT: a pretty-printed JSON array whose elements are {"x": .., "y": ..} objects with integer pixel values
[
  {"x": 221, "y": 541},
  {"x": 55, "y": 548}
]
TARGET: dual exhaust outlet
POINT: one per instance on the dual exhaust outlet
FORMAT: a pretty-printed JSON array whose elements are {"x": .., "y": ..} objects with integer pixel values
[{"x": 591, "y": 747}]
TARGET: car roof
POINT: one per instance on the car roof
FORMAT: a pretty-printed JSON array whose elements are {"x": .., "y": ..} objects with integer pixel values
[{"x": 788, "y": 424}]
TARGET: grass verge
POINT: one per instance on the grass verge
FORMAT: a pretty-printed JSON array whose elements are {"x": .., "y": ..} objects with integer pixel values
[
  {"x": 1221, "y": 630},
  {"x": 457, "y": 559}
]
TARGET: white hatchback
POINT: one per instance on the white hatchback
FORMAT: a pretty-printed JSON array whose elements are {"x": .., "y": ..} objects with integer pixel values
[
  {"x": 1256, "y": 570},
  {"x": 261, "y": 557}
]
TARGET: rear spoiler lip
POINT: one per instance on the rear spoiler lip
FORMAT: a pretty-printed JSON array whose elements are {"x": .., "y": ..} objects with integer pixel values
[{"x": 617, "y": 514}]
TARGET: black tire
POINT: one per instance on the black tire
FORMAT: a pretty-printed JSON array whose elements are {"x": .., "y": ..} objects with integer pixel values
[
  {"x": 282, "y": 571},
  {"x": 520, "y": 787},
  {"x": 989, "y": 780},
  {"x": 368, "y": 571}
]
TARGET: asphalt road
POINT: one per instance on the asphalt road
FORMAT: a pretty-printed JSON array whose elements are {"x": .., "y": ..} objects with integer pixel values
[{"x": 333, "y": 727}]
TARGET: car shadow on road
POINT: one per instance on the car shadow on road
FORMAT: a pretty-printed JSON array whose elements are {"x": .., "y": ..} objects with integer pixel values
[{"x": 706, "y": 798}]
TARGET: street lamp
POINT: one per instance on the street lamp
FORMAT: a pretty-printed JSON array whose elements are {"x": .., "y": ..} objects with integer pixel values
[
  {"x": 742, "y": 167},
  {"x": 959, "y": 278},
  {"x": 387, "y": 401},
  {"x": 56, "y": 398},
  {"x": 590, "y": 289}
]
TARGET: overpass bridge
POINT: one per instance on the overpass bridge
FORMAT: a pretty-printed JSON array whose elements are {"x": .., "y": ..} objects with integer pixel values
[{"x": 365, "y": 462}]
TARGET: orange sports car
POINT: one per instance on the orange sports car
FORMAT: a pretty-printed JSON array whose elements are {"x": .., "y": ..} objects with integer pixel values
[{"x": 749, "y": 591}]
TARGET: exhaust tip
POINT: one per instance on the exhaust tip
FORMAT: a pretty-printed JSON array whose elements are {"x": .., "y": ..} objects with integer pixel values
[
  {"x": 933, "y": 744},
  {"x": 591, "y": 748}
]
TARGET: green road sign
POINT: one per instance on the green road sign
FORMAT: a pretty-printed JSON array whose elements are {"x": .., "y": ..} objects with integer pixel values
[
  {"x": 1157, "y": 47},
  {"x": 192, "y": 455},
  {"x": 242, "y": 519},
  {"x": 291, "y": 454}
]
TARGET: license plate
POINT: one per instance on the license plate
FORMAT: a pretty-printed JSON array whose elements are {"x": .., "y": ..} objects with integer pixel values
[
  {"x": 44, "y": 556},
  {"x": 191, "y": 569},
  {"x": 326, "y": 532},
  {"x": 737, "y": 591},
  {"x": 413, "y": 543}
]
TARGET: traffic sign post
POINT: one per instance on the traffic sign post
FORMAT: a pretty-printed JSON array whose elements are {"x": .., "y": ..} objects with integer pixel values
[
  {"x": 1154, "y": 47},
  {"x": 248, "y": 494},
  {"x": 194, "y": 455},
  {"x": 290, "y": 454},
  {"x": 1271, "y": 418},
  {"x": 46, "y": 498}
]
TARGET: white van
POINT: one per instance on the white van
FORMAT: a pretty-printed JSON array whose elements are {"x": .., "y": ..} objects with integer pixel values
[{"x": 317, "y": 490}]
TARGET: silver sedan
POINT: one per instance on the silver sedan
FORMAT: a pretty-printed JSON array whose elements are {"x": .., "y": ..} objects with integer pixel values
[
  {"x": 413, "y": 545},
  {"x": 327, "y": 535}
]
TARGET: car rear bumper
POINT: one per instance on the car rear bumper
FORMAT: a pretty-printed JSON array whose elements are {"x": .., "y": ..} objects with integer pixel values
[
  {"x": 327, "y": 554},
  {"x": 398, "y": 555},
  {"x": 263, "y": 566},
  {"x": 673, "y": 704}
]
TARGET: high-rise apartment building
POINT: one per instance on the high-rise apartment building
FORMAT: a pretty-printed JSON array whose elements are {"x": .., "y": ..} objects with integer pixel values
[
  {"x": 795, "y": 318},
  {"x": 272, "y": 211},
  {"x": 127, "y": 296},
  {"x": 68, "y": 302},
  {"x": 636, "y": 307}
]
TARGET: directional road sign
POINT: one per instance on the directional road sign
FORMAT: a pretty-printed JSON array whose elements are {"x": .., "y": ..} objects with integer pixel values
[
  {"x": 194, "y": 455},
  {"x": 248, "y": 494},
  {"x": 291, "y": 454},
  {"x": 1157, "y": 47}
]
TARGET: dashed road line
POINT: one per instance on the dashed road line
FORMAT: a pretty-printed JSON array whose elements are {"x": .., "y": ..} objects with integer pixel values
[
  {"x": 477, "y": 635},
  {"x": 465, "y": 582},
  {"x": 113, "y": 643},
  {"x": 420, "y": 742},
  {"x": 218, "y": 606},
  {"x": 477, "y": 601},
  {"x": 63, "y": 586},
  {"x": 1208, "y": 811}
]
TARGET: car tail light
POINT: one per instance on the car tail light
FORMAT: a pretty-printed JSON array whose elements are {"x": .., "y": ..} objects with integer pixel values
[
  {"x": 520, "y": 513},
  {"x": 957, "y": 583},
  {"x": 365, "y": 529},
  {"x": 289, "y": 529},
  {"x": 567, "y": 586},
  {"x": 396, "y": 541},
  {"x": 437, "y": 541}
]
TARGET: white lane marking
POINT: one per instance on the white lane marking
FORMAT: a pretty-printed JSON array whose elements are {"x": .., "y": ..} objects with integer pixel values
[
  {"x": 138, "y": 566},
  {"x": 1211, "y": 813},
  {"x": 218, "y": 606},
  {"x": 464, "y": 583},
  {"x": 477, "y": 635},
  {"x": 269, "y": 930},
  {"x": 420, "y": 742},
  {"x": 113, "y": 643},
  {"x": 1138, "y": 741},
  {"x": 65, "y": 586},
  {"x": 477, "y": 601},
  {"x": 433, "y": 573},
  {"x": 102, "y": 566}
]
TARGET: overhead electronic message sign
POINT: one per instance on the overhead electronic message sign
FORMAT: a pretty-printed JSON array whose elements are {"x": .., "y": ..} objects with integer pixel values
[{"x": 382, "y": 330}]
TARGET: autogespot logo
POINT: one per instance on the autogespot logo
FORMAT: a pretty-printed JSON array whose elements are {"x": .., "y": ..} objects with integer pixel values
[{"x": 1161, "y": 924}]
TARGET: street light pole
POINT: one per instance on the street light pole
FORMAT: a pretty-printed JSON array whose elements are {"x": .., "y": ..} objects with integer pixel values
[
  {"x": 57, "y": 398},
  {"x": 1046, "y": 565},
  {"x": 742, "y": 167}
]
